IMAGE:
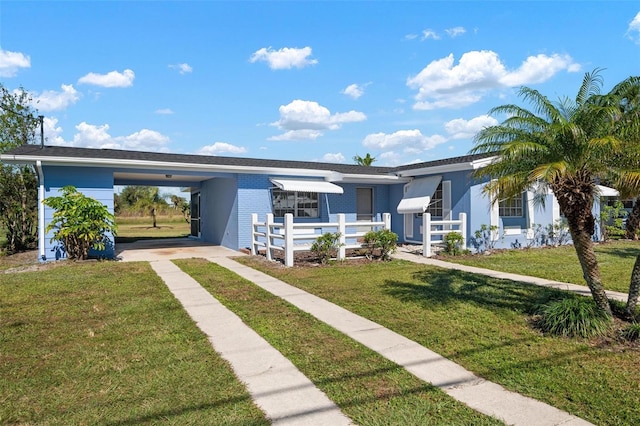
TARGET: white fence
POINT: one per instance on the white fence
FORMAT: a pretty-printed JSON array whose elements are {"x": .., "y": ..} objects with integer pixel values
[
  {"x": 431, "y": 228},
  {"x": 290, "y": 237}
]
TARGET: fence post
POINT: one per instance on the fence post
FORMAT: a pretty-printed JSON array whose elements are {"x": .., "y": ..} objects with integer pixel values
[
  {"x": 269, "y": 243},
  {"x": 426, "y": 234},
  {"x": 463, "y": 229},
  {"x": 254, "y": 220},
  {"x": 288, "y": 239},
  {"x": 342, "y": 229},
  {"x": 386, "y": 218}
]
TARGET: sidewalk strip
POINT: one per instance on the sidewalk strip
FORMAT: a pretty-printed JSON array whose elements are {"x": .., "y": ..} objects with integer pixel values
[
  {"x": 285, "y": 395},
  {"x": 479, "y": 394}
]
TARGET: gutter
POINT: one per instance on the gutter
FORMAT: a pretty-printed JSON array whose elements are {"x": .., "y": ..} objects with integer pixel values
[{"x": 41, "y": 234}]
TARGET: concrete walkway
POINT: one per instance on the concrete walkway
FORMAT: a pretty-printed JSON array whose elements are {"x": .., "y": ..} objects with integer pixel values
[
  {"x": 282, "y": 391},
  {"x": 484, "y": 396},
  {"x": 286, "y": 396},
  {"x": 404, "y": 254}
]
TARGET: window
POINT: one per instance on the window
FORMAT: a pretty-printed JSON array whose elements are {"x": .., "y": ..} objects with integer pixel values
[
  {"x": 435, "y": 204},
  {"x": 300, "y": 204},
  {"x": 511, "y": 207}
]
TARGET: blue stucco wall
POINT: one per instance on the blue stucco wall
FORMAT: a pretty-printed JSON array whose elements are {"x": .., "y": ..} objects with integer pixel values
[
  {"x": 218, "y": 212},
  {"x": 93, "y": 182}
]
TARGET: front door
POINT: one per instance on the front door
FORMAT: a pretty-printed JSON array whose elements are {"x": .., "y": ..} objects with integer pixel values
[
  {"x": 364, "y": 204},
  {"x": 195, "y": 215}
]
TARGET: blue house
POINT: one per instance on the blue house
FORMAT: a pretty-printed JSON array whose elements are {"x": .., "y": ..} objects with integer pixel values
[{"x": 226, "y": 191}]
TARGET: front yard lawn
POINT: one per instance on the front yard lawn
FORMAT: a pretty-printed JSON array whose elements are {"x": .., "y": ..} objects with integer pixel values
[
  {"x": 107, "y": 343},
  {"x": 483, "y": 324},
  {"x": 561, "y": 263}
]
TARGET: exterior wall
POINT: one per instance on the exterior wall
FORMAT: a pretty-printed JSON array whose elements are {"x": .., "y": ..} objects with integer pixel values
[
  {"x": 254, "y": 196},
  {"x": 93, "y": 182},
  {"x": 219, "y": 212}
]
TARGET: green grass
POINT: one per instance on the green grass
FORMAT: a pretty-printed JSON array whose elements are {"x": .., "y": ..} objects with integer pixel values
[
  {"x": 131, "y": 229},
  {"x": 106, "y": 343},
  {"x": 368, "y": 388},
  {"x": 561, "y": 263},
  {"x": 482, "y": 324}
]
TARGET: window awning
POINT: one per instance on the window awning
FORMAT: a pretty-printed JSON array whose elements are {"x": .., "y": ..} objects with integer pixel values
[
  {"x": 605, "y": 191},
  {"x": 307, "y": 185},
  {"x": 418, "y": 194}
]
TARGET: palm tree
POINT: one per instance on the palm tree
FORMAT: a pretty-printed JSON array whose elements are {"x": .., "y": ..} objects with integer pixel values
[
  {"x": 367, "y": 160},
  {"x": 565, "y": 147}
]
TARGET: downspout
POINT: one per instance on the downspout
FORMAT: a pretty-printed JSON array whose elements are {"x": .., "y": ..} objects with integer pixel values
[{"x": 41, "y": 235}]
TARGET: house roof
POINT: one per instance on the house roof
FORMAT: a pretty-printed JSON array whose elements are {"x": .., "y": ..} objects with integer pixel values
[
  {"x": 49, "y": 152},
  {"x": 158, "y": 161}
]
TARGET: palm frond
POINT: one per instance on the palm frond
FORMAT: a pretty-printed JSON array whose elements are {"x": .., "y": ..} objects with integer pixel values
[{"x": 591, "y": 86}]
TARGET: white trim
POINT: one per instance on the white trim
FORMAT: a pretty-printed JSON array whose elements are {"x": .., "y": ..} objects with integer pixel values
[
  {"x": 495, "y": 220},
  {"x": 408, "y": 226},
  {"x": 445, "y": 168}
]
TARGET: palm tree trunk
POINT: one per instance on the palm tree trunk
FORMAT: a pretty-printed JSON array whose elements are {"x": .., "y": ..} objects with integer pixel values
[
  {"x": 634, "y": 289},
  {"x": 583, "y": 244},
  {"x": 633, "y": 222}
]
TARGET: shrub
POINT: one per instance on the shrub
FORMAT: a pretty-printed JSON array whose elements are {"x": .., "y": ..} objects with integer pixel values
[
  {"x": 631, "y": 332},
  {"x": 325, "y": 246},
  {"x": 80, "y": 223},
  {"x": 453, "y": 243},
  {"x": 612, "y": 219},
  {"x": 384, "y": 240},
  {"x": 573, "y": 317}
]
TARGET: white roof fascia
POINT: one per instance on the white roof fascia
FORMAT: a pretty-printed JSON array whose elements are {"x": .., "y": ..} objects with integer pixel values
[
  {"x": 456, "y": 167},
  {"x": 161, "y": 165},
  {"x": 373, "y": 179}
]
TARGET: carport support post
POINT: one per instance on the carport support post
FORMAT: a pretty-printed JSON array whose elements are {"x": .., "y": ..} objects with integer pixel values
[
  {"x": 269, "y": 231},
  {"x": 386, "y": 218},
  {"x": 426, "y": 234},
  {"x": 288, "y": 239},
  {"x": 342, "y": 229}
]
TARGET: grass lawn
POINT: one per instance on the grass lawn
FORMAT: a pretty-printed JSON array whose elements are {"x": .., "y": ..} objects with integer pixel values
[
  {"x": 106, "y": 343},
  {"x": 616, "y": 261},
  {"x": 482, "y": 324},
  {"x": 368, "y": 388},
  {"x": 139, "y": 228}
]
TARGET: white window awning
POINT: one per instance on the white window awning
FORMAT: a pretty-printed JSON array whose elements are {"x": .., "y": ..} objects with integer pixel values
[
  {"x": 418, "y": 194},
  {"x": 307, "y": 185},
  {"x": 605, "y": 191}
]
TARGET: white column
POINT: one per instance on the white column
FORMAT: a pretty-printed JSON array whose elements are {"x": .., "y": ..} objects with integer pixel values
[
  {"x": 254, "y": 238},
  {"x": 426, "y": 234},
  {"x": 269, "y": 231},
  {"x": 288, "y": 239},
  {"x": 342, "y": 229},
  {"x": 463, "y": 229}
]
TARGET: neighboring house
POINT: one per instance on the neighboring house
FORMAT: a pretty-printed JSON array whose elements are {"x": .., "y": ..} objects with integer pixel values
[{"x": 225, "y": 191}]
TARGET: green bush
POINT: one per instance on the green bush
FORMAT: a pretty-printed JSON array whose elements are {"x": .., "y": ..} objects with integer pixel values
[
  {"x": 573, "y": 317},
  {"x": 80, "y": 223},
  {"x": 325, "y": 246},
  {"x": 453, "y": 243},
  {"x": 383, "y": 240},
  {"x": 612, "y": 219},
  {"x": 631, "y": 332}
]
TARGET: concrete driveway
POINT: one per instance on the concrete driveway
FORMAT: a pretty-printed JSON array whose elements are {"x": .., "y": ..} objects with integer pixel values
[{"x": 170, "y": 248}]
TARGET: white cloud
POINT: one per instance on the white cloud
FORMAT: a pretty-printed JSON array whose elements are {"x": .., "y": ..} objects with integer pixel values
[
  {"x": 455, "y": 31},
  {"x": 221, "y": 148},
  {"x": 333, "y": 158},
  {"x": 50, "y": 100},
  {"x": 111, "y": 79},
  {"x": 11, "y": 62},
  {"x": 390, "y": 158},
  {"x": 285, "y": 58},
  {"x": 429, "y": 34},
  {"x": 355, "y": 90},
  {"x": 53, "y": 132},
  {"x": 633, "y": 32},
  {"x": 183, "y": 68},
  {"x": 467, "y": 129},
  {"x": 97, "y": 136},
  {"x": 307, "y": 120},
  {"x": 411, "y": 36},
  {"x": 164, "y": 111},
  {"x": 442, "y": 84},
  {"x": 412, "y": 141}
]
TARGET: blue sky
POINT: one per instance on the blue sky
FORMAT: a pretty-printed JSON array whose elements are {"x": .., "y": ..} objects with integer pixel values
[{"x": 320, "y": 81}]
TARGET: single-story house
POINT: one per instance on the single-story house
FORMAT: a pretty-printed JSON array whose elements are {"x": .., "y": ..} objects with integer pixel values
[{"x": 225, "y": 191}]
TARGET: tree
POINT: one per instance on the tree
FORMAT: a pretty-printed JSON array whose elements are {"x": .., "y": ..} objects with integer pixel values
[
  {"x": 565, "y": 147},
  {"x": 146, "y": 199},
  {"x": 80, "y": 223},
  {"x": 181, "y": 204},
  {"x": 367, "y": 160},
  {"x": 18, "y": 184}
]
